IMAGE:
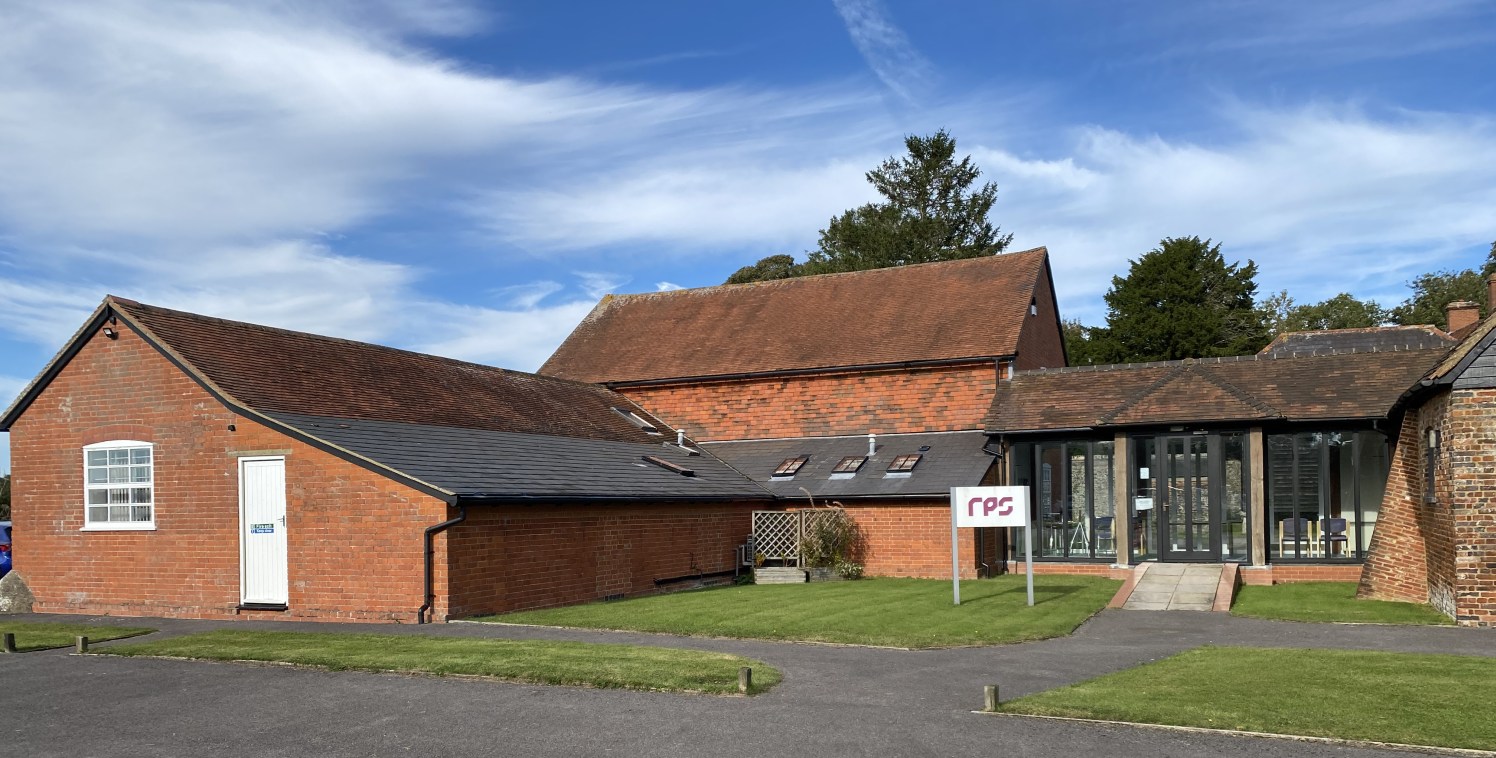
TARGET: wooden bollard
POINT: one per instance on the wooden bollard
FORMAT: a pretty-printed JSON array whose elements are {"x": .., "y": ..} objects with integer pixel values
[
  {"x": 81, "y": 645},
  {"x": 989, "y": 694},
  {"x": 745, "y": 679},
  {"x": 8, "y": 642}
]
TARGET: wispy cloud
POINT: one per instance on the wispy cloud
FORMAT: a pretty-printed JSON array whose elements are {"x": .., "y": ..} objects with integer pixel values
[{"x": 887, "y": 50}]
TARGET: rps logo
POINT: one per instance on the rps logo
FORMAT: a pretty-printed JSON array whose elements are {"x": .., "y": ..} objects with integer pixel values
[{"x": 1002, "y": 506}]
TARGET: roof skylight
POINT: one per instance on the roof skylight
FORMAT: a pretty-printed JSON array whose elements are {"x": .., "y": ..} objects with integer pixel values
[
  {"x": 791, "y": 466},
  {"x": 849, "y": 464},
  {"x": 904, "y": 464},
  {"x": 637, "y": 420},
  {"x": 668, "y": 466}
]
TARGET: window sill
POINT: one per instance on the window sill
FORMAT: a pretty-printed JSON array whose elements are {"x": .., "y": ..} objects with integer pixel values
[{"x": 121, "y": 527}]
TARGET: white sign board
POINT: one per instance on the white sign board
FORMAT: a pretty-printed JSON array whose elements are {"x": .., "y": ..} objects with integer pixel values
[{"x": 990, "y": 506}]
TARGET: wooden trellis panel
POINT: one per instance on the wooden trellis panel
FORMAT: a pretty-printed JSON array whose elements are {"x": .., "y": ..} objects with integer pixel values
[{"x": 776, "y": 534}]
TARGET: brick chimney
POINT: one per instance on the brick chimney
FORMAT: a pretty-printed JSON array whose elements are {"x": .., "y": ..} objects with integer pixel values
[{"x": 1461, "y": 314}]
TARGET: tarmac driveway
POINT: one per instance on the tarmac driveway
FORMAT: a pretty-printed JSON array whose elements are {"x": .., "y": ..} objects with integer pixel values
[{"x": 834, "y": 701}]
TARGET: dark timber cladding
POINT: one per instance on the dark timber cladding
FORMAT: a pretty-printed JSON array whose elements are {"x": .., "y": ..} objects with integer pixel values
[
  {"x": 932, "y": 312},
  {"x": 1248, "y": 388}
]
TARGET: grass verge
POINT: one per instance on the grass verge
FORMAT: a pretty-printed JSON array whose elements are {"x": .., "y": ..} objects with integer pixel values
[
  {"x": 1437, "y": 700},
  {"x": 44, "y": 636},
  {"x": 574, "y": 663},
  {"x": 913, "y": 613},
  {"x": 1328, "y": 601}
]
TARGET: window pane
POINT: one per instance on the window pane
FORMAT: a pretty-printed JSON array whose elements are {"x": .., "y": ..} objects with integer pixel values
[
  {"x": 140, "y": 455},
  {"x": 141, "y": 513},
  {"x": 98, "y": 514},
  {"x": 1371, "y": 468},
  {"x": 98, "y": 475},
  {"x": 1103, "y": 504},
  {"x": 1234, "y": 540},
  {"x": 1053, "y": 508},
  {"x": 119, "y": 457},
  {"x": 118, "y": 475},
  {"x": 118, "y": 495},
  {"x": 119, "y": 513},
  {"x": 140, "y": 495},
  {"x": 98, "y": 497},
  {"x": 140, "y": 473},
  {"x": 98, "y": 458}
]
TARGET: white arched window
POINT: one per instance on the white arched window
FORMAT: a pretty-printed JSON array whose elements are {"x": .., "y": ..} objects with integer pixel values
[{"x": 119, "y": 485}]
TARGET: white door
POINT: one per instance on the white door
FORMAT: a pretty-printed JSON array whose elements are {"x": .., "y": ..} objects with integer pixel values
[{"x": 262, "y": 531}]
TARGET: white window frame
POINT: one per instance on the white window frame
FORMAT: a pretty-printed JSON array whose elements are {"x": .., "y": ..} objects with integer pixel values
[{"x": 119, "y": 526}]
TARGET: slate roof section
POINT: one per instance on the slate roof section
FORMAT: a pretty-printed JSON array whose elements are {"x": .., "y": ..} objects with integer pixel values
[
  {"x": 949, "y": 310},
  {"x": 277, "y": 370},
  {"x": 484, "y": 464},
  {"x": 1367, "y": 340},
  {"x": 954, "y": 459},
  {"x": 1247, "y": 388}
]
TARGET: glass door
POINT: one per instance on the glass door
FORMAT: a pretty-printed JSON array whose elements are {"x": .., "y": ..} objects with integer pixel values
[{"x": 1189, "y": 497}]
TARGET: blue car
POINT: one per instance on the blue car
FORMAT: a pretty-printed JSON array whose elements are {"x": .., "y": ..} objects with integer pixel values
[{"x": 4, "y": 548}]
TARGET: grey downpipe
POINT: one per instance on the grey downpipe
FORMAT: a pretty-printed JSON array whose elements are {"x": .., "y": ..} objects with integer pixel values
[{"x": 431, "y": 532}]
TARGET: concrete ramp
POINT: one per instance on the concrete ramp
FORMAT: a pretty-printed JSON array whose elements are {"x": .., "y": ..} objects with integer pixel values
[{"x": 1176, "y": 587}]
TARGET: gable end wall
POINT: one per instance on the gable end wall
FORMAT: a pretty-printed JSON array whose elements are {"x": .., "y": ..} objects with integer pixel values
[{"x": 355, "y": 537}]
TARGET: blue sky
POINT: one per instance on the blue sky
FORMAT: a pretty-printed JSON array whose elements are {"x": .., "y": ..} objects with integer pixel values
[{"x": 468, "y": 178}]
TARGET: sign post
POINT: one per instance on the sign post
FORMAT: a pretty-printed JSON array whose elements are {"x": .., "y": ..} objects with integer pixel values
[{"x": 991, "y": 506}]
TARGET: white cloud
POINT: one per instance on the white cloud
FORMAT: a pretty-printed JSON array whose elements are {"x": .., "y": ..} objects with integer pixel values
[
  {"x": 528, "y": 295},
  {"x": 519, "y": 339},
  {"x": 885, "y": 47},
  {"x": 1325, "y": 200},
  {"x": 667, "y": 287}
]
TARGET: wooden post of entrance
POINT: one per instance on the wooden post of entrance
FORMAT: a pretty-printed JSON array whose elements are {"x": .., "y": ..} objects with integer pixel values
[
  {"x": 1257, "y": 520},
  {"x": 1121, "y": 503}
]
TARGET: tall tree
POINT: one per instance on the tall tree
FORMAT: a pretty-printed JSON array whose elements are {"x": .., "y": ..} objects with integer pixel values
[
  {"x": 930, "y": 213},
  {"x": 1433, "y": 291},
  {"x": 1182, "y": 300}
]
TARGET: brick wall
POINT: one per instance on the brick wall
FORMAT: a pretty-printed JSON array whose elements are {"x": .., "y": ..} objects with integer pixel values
[
  {"x": 506, "y": 558},
  {"x": 355, "y": 538},
  {"x": 1472, "y": 505},
  {"x": 948, "y": 398},
  {"x": 1072, "y": 569},
  {"x": 1041, "y": 344},
  {"x": 904, "y": 538},
  {"x": 1444, "y": 552}
]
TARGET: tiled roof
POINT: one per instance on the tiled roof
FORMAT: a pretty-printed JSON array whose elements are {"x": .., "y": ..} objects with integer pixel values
[
  {"x": 1370, "y": 339},
  {"x": 478, "y": 463},
  {"x": 1477, "y": 336},
  {"x": 972, "y": 308},
  {"x": 275, "y": 370},
  {"x": 953, "y": 459},
  {"x": 1247, "y": 388}
]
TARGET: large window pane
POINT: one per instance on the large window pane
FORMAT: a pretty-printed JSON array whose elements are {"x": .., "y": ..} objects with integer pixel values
[{"x": 1324, "y": 491}]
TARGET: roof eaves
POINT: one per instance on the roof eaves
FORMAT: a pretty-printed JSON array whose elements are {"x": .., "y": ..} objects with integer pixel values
[{"x": 892, "y": 366}]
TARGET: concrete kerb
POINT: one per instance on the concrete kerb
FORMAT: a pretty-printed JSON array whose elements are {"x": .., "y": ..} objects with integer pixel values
[
  {"x": 1125, "y": 591},
  {"x": 1425, "y": 749}
]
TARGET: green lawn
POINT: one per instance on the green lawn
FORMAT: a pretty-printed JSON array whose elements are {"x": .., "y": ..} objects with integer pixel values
[
  {"x": 623, "y": 666},
  {"x": 1441, "y": 700},
  {"x": 915, "y": 613},
  {"x": 1328, "y": 601},
  {"x": 42, "y": 636}
]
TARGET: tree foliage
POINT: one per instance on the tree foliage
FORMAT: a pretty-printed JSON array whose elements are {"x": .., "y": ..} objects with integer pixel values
[
  {"x": 1084, "y": 345},
  {"x": 931, "y": 211},
  {"x": 1342, "y": 311},
  {"x": 5, "y": 498},
  {"x": 1433, "y": 291},
  {"x": 1182, "y": 300},
  {"x": 767, "y": 269}
]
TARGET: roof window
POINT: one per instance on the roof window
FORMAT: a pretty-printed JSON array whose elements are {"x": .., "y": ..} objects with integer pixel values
[
  {"x": 791, "y": 466},
  {"x": 637, "y": 420},
  {"x": 904, "y": 464},
  {"x": 668, "y": 466},
  {"x": 849, "y": 464}
]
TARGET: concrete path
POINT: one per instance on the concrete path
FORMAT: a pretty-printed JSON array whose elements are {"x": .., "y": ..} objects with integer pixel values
[
  {"x": 1176, "y": 587},
  {"x": 834, "y": 701}
]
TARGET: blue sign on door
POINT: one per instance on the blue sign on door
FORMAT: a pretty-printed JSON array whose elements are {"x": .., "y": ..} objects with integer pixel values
[{"x": 262, "y": 528}]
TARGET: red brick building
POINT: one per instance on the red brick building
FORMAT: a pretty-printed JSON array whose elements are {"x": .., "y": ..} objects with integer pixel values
[
  {"x": 767, "y": 373},
  {"x": 170, "y": 464},
  {"x": 1437, "y": 539}
]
